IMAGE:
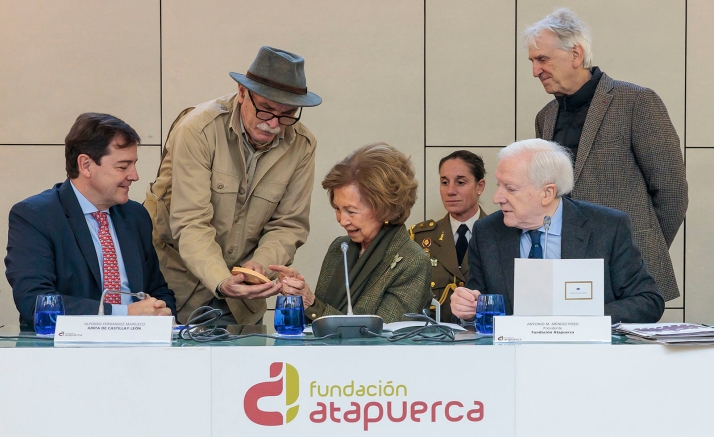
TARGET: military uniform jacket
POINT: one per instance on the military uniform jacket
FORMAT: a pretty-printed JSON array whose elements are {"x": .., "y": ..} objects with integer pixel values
[
  {"x": 207, "y": 220},
  {"x": 629, "y": 159},
  {"x": 437, "y": 241}
]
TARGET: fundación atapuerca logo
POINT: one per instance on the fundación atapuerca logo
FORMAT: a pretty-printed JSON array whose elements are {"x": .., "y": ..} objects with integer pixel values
[
  {"x": 276, "y": 387},
  {"x": 369, "y": 404}
]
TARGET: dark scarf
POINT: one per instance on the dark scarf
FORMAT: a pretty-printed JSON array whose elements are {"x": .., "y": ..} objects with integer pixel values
[
  {"x": 572, "y": 112},
  {"x": 360, "y": 268}
]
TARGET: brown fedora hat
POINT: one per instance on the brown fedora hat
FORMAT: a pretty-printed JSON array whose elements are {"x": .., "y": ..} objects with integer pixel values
[{"x": 279, "y": 76}]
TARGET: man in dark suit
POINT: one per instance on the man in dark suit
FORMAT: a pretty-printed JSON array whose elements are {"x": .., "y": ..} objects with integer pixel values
[
  {"x": 626, "y": 151},
  {"x": 84, "y": 235},
  {"x": 533, "y": 175}
]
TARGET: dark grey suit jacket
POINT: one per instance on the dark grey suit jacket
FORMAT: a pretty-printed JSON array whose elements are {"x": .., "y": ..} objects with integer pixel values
[
  {"x": 629, "y": 159},
  {"x": 589, "y": 231}
]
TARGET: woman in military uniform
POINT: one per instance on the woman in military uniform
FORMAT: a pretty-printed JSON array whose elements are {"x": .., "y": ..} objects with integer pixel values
[{"x": 446, "y": 241}]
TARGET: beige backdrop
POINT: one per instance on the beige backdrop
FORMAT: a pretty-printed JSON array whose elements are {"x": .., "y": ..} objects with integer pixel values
[{"x": 428, "y": 77}]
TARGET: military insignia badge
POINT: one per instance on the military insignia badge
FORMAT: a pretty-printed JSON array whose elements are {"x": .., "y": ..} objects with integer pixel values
[
  {"x": 426, "y": 242},
  {"x": 434, "y": 262},
  {"x": 441, "y": 237}
]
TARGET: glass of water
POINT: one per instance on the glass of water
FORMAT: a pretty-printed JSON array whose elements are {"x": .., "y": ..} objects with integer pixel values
[
  {"x": 487, "y": 306},
  {"x": 47, "y": 308},
  {"x": 289, "y": 315}
]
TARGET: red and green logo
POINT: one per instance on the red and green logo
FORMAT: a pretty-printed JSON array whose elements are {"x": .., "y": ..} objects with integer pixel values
[{"x": 284, "y": 379}]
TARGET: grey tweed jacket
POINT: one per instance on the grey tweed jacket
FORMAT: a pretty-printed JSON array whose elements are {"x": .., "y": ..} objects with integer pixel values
[
  {"x": 399, "y": 284},
  {"x": 629, "y": 159}
]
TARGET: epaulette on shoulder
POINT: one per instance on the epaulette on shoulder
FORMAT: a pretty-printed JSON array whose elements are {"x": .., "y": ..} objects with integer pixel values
[
  {"x": 302, "y": 130},
  {"x": 426, "y": 225},
  {"x": 200, "y": 116}
]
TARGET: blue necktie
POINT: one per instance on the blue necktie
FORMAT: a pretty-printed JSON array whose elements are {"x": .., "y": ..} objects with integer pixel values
[{"x": 536, "y": 249}]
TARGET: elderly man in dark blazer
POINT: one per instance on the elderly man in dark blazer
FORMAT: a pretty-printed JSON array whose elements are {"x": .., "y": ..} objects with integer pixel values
[
  {"x": 84, "y": 235},
  {"x": 533, "y": 176},
  {"x": 626, "y": 151}
]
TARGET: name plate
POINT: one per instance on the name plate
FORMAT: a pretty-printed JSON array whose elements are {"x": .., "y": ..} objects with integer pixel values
[
  {"x": 551, "y": 329},
  {"x": 77, "y": 330}
]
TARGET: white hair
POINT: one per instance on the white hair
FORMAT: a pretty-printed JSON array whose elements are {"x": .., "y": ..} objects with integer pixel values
[
  {"x": 569, "y": 30},
  {"x": 548, "y": 163}
]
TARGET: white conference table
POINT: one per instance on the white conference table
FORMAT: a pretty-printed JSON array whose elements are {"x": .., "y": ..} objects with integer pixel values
[{"x": 211, "y": 390}]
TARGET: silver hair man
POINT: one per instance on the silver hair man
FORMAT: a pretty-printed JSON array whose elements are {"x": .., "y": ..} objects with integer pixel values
[
  {"x": 549, "y": 163},
  {"x": 625, "y": 150},
  {"x": 569, "y": 30}
]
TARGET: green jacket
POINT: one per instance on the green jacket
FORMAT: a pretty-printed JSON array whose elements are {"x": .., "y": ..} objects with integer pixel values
[{"x": 394, "y": 288}]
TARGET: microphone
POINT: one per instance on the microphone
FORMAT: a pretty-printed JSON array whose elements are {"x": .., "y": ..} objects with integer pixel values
[
  {"x": 140, "y": 295},
  {"x": 343, "y": 246},
  {"x": 348, "y": 326},
  {"x": 546, "y": 226}
]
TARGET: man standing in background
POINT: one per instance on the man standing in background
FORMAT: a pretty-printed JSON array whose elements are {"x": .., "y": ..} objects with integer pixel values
[
  {"x": 234, "y": 188},
  {"x": 625, "y": 150}
]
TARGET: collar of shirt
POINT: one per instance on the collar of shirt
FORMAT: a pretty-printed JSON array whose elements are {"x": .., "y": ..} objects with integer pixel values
[
  {"x": 582, "y": 96},
  {"x": 554, "y": 235},
  {"x": 469, "y": 224},
  {"x": 556, "y": 221},
  {"x": 87, "y": 206}
]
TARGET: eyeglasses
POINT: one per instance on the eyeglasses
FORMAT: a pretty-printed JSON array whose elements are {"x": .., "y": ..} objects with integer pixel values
[{"x": 265, "y": 115}]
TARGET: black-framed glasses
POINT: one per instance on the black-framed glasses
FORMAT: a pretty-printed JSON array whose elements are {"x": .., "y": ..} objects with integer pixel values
[{"x": 265, "y": 115}]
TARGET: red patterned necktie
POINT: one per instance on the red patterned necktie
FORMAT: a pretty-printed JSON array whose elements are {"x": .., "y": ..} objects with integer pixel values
[{"x": 112, "y": 280}]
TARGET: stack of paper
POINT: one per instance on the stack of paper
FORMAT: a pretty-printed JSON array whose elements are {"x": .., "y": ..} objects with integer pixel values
[{"x": 668, "y": 333}]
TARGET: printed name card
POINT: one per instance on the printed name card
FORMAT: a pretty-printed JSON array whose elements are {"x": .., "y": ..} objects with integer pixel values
[
  {"x": 551, "y": 329},
  {"x": 78, "y": 330}
]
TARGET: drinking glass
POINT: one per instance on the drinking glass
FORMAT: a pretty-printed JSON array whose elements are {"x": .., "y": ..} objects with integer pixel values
[
  {"x": 487, "y": 306},
  {"x": 47, "y": 308},
  {"x": 289, "y": 315}
]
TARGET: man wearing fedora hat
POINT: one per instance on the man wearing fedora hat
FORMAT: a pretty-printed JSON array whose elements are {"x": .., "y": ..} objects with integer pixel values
[{"x": 233, "y": 189}]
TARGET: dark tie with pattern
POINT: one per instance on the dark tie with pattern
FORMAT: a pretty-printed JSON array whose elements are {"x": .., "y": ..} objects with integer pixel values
[
  {"x": 112, "y": 280},
  {"x": 461, "y": 243},
  {"x": 536, "y": 249}
]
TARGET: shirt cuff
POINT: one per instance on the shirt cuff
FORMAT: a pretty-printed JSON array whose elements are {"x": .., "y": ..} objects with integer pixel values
[
  {"x": 219, "y": 293},
  {"x": 120, "y": 310}
]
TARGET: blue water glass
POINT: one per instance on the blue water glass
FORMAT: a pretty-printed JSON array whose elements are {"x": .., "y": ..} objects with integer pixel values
[
  {"x": 289, "y": 315},
  {"x": 487, "y": 306},
  {"x": 47, "y": 308}
]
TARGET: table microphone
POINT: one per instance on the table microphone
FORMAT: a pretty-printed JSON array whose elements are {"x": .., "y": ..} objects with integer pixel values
[
  {"x": 348, "y": 326},
  {"x": 546, "y": 226},
  {"x": 140, "y": 295}
]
